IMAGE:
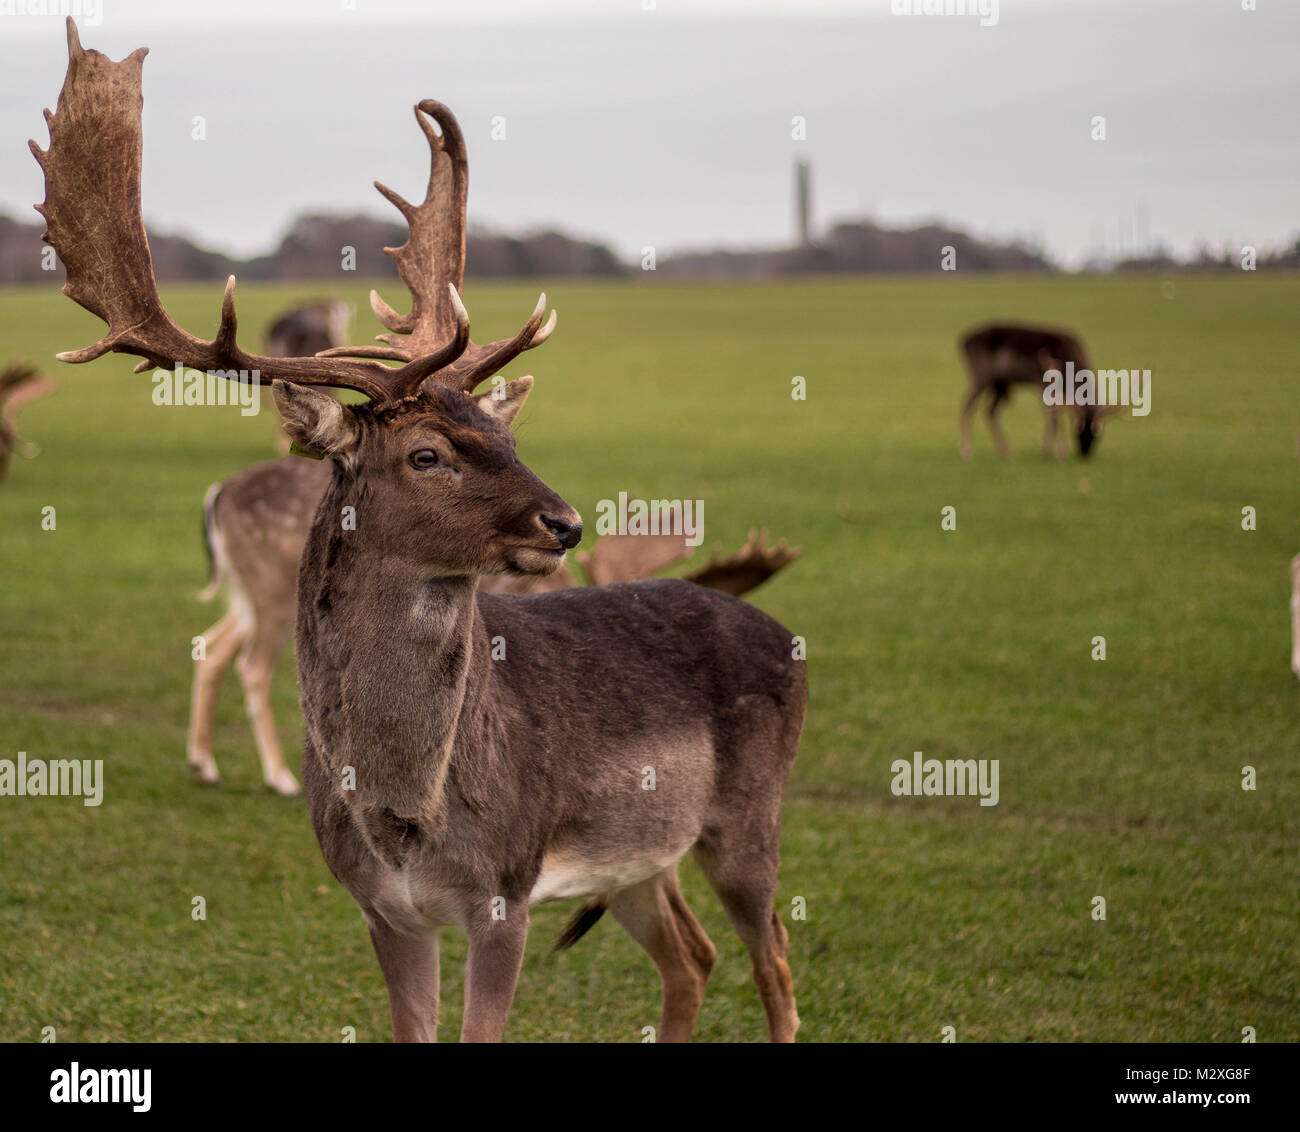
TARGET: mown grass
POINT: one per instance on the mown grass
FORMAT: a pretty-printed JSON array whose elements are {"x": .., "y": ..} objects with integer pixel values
[{"x": 1119, "y": 778}]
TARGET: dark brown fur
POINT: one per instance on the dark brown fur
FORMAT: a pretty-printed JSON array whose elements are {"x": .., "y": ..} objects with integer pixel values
[{"x": 470, "y": 772}]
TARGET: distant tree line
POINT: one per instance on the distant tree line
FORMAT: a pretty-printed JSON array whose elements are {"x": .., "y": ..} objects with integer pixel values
[
  {"x": 320, "y": 247},
  {"x": 858, "y": 248},
  {"x": 1206, "y": 259}
]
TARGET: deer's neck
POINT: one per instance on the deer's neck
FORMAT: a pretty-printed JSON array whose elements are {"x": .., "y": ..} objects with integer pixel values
[{"x": 387, "y": 660}]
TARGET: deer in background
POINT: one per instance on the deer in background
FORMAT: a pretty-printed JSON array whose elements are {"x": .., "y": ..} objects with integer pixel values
[
  {"x": 20, "y": 384},
  {"x": 1002, "y": 355},
  {"x": 451, "y": 784},
  {"x": 256, "y": 524},
  {"x": 308, "y": 330}
]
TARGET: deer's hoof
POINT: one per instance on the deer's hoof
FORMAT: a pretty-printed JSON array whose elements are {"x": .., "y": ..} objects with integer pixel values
[
  {"x": 284, "y": 784},
  {"x": 206, "y": 774}
]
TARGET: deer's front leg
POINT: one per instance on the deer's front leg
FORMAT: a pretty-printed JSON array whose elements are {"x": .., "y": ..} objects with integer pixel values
[
  {"x": 410, "y": 966},
  {"x": 995, "y": 425},
  {"x": 496, "y": 951},
  {"x": 1051, "y": 432}
]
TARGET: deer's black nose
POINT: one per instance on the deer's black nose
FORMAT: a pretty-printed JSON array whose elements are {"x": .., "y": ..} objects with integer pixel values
[{"x": 569, "y": 534}]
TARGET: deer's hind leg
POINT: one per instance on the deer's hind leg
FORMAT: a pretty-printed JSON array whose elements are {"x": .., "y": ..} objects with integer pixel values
[
  {"x": 221, "y": 643},
  {"x": 256, "y": 666},
  {"x": 748, "y": 898},
  {"x": 655, "y": 914},
  {"x": 740, "y": 852},
  {"x": 410, "y": 967},
  {"x": 966, "y": 448}
]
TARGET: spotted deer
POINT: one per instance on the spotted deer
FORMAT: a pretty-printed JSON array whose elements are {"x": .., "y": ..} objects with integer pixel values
[
  {"x": 1002, "y": 355},
  {"x": 255, "y": 526},
  {"x": 469, "y": 755}
]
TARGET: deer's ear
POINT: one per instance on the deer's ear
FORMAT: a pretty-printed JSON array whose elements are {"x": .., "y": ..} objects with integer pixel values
[
  {"x": 315, "y": 422},
  {"x": 504, "y": 401}
]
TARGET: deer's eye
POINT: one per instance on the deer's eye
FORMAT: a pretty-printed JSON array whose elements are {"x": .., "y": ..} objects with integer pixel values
[{"x": 423, "y": 459}]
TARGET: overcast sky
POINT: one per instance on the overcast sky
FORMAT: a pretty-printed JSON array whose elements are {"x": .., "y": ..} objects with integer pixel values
[{"x": 672, "y": 126}]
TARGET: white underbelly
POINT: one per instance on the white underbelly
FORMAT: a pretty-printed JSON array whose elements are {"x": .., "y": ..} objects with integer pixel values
[{"x": 565, "y": 875}]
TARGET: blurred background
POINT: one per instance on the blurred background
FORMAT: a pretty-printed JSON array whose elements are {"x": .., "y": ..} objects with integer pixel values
[{"x": 623, "y": 127}]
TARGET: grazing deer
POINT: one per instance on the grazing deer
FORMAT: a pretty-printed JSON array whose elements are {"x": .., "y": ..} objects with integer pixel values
[
  {"x": 469, "y": 755},
  {"x": 20, "y": 384},
  {"x": 255, "y": 526},
  {"x": 1000, "y": 356}
]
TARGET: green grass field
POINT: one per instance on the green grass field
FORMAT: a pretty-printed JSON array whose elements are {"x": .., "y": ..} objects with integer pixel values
[{"x": 1119, "y": 778}]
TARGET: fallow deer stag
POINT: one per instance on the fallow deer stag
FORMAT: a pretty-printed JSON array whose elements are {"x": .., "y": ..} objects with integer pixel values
[
  {"x": 448, "y": 787},
  {"x": 1000, "y": 356},
  {"x": 255, "y": 527}
]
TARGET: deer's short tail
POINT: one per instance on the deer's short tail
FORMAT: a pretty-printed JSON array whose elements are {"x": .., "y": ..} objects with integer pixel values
[
  {"x": 216, "y": 573},
  {"x": 581, "y": 923}
]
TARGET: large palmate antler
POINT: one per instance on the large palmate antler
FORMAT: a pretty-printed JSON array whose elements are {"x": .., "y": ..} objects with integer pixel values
[
  {"x": 627, "y": 558},
  {"x": 93, "y": 220},
  {"x": 748, "y": 568},
  {"x": 432, "y": 265}
]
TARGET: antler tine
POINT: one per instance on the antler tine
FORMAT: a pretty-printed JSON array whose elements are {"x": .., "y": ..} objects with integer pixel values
[
  {"x": 434, "y": 256},
  {"x": 93, "y": 221},
  {"x": 474, "y": 363},
  {"x": 448, "y": 354},
  {"x": 480, "y": 362}
]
